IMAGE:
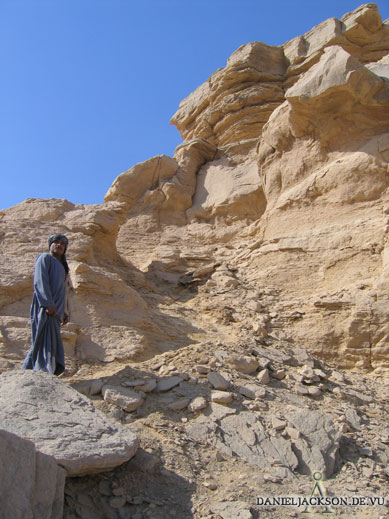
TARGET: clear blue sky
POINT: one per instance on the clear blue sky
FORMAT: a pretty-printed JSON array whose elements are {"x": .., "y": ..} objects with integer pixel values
[{"x": 89, "y": 86}]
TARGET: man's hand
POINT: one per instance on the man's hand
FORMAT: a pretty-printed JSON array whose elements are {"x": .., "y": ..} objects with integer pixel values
[
  {"x": 65, "y": 319},
  {"x": 51, "y": 310}
]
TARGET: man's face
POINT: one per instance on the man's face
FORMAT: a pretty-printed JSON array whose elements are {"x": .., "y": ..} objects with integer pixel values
[{"x": 57, "y": 248}]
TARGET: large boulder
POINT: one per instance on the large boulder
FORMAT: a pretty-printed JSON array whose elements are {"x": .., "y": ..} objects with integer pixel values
[
  {"x": 31, "y": 483},
  {"x": 62, "y": 423}
]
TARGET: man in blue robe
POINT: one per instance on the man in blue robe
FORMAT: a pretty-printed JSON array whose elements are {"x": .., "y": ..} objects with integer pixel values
[{"x": 48, "y": 309}]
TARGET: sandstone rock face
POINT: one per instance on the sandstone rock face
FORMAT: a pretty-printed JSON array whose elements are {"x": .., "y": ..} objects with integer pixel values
[
  {"x": 31, "y": 483},
  {"x": 280, "y": 188},
  {"x": 252, "y": 262},
  {"x": 62, "y": 423}
]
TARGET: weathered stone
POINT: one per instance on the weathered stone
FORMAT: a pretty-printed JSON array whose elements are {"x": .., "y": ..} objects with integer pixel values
[
  {"x": 293, "y": 433},
  {"x": 127, "y": 399},
  {"x": 147, "y": 386},
  {"x": 301, "y": 390},
  {"x": 278, "y": 424},
  {"x": 143, "y": 461},
  {"x": 217, "y": 411},
  {"x": 279, "y": 374},
  {"x": 319, "y": 442},
  {"x": 243, "y": 364},
  {"x": 356, "y": 397},
  {"x": 274, "y": 355},
  {"x": 79, "y": 437},
  {"x": 96, "y": 386},
  {"x": 314, "y": 391},
  {"x": 232, "y": 510},
  {"x": 352, "y": 418},
  {"x": 197, "y": 404},
  {"x": 221, "y": 397},
  {"x": 263, "y": 377},
  {"x": 178, "y": 405},
  {"x": 244, "y": 435},
  {"x": 203, "y": 370},
  {"x": 250, "y": 391},
  {"x": 165, "y": 384},
  {"x": 218, "y": 381},
  {"x": 31, "y": 483}
]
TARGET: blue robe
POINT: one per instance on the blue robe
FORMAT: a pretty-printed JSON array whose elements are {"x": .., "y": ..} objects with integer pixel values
[{"x": 46, "y": 352}]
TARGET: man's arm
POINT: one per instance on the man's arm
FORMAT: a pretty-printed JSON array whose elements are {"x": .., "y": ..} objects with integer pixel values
[{"x": 42, "y": 284}]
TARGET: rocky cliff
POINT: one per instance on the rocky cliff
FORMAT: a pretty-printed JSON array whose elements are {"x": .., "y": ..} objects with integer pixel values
[
  {"x": 268, "y": 228},
  {"x": 277, "y": 197}
]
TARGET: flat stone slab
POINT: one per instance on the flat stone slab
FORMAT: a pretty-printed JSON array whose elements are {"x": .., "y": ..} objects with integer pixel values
[
  {"x": 167, "y": 383},
  {"x": 62, "y": 423},
  {"x": 318, "y": 444},
  {"x": 127, "y": 399},
  {"x": 244, "y": 435}
]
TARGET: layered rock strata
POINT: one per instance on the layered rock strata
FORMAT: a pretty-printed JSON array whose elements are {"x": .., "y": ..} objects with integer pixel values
[{"x": 280, "y": 189}]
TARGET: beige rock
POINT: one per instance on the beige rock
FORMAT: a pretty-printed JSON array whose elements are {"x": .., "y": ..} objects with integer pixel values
[
  {"x": 243, "y": 364},
  {"x": 250, "y": 391},
  {"x": 223, "y": 112},
  {"x": 278, "y": 424},
  {"x": 143, "y": 178},
  {"x": 218, "y": 381},
  {"x": 279, "y": 374},
  {"x": 263, "y": 377},
  {"x": 221, "y": 397},
  {"x": 223, "y": 188},
  {"x": 197, "y": 404},
  {"x": 203, "y": 370},
  {"x": 126, "y": 399}
]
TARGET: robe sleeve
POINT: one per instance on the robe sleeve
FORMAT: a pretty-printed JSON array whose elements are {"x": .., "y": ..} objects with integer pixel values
[{"x": 42, "y": 283}]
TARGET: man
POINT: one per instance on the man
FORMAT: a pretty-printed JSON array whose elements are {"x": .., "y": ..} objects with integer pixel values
[{"x": 48, "y": 309}]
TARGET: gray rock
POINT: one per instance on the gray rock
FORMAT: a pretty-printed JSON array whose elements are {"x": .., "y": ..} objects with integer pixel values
[
  {"x": 200, "y": 430},
  {"x": 62, "y": 423},
  {"x": 127, "y": 399},
  {"x": 232, "y": 510},
  {"x": 96, "y": 386},
  {"x": 244, "y": 435},
  {"x": 278, "y": 424},
  {"x": 141, "y": 385},
  {"x": 31, "y": 483},
  {"x": 179, "y": 404},
  {"x": 82, "y": 387},
  {"x": 301, "y": 390},
  {"x": 167, "y": 383},
  {"x": 249, "y": 391},
  {"x": 319, "y": 442},
  {"x": 274, "y": 355},
  {"x": 218, "y": 381},
  {"x": 356, "y": 397},
  {"x": 144, "y": 461},
  {"x": 302, "y": 357},
  {"x": 314, "y": 391},
  {"x": 217, "y": 411}
]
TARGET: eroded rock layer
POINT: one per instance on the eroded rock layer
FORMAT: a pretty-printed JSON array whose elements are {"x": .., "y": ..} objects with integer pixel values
[{"x": 277, "y": 199}]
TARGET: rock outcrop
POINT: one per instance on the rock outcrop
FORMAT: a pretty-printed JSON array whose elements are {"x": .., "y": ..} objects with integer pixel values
[
  {"x": 31, "y": 483},
  {"x": 62, "y": 423},
  {"x": 217, "y": 295}
]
